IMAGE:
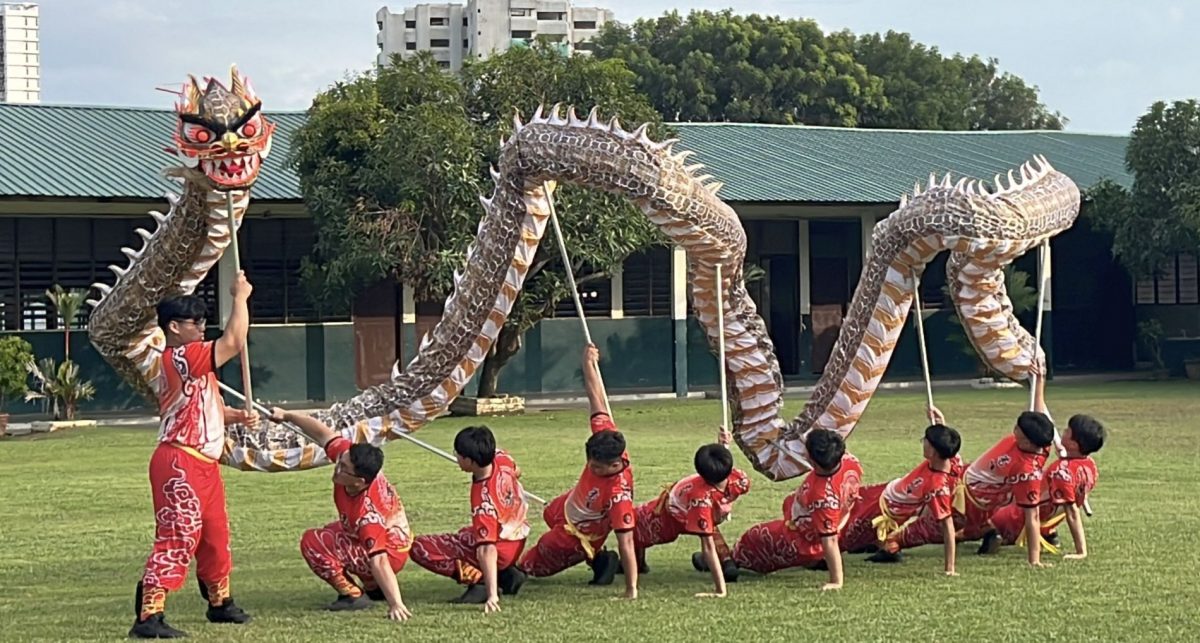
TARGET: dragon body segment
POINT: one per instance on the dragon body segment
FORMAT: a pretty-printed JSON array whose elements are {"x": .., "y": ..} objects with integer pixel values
[{"x": 983, "y": 230}]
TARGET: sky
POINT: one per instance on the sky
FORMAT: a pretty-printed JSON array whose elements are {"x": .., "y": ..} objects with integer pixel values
[{"x": 1102, "y": 63}]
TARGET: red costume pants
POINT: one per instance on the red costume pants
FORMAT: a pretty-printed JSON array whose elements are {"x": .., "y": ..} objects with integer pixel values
[
  {"x": 333, "y": 554},
  {"x": 1009, "y": 521},
  {"x": 860, "y": 533},
  {"x": 454, "y": 555},
  {"x": 190, "y": 522},
  {"x": 927, "y": 531},
  {"x": 659, "y": 527},
  {"x": 772, "y": 546},
  {"x": 559, "y": 549}
]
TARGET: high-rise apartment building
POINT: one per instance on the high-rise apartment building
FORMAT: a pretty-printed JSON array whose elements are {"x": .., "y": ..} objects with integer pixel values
[
  {"x": 20, "y": 75},
  {"x": 455, "y": 32}
]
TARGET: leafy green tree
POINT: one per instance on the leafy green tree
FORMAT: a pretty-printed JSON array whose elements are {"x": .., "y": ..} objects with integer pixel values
[
  {"x": 392, "y": 162},
  {"x": 1160, "y": 215}
]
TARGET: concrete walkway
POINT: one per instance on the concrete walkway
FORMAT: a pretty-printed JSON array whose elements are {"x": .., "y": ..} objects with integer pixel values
[{"x": 138, "y": 418}]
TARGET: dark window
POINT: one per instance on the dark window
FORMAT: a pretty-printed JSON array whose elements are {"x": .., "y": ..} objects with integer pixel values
[
  {"x": 1175, "y": 282},
  {"x": 585, "y": 24},
  {"x": 595, "y": 294},
  {"x": 646, "y": 283},
  {"x": 551, "y": 15},
  {"x": 585, "y": 46},
  {"x": 410, "y": 46},
  {"x": 444, "y": 64},
  {"x": 439, "y": 42},
  {"x": 437, "y": 22},
  {"x": 522, "y": 34},
  {"x": 410, "y": 24}
]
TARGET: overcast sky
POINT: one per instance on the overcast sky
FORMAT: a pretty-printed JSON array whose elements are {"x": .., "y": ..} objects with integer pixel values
[{"x": 1100, "y": 62}]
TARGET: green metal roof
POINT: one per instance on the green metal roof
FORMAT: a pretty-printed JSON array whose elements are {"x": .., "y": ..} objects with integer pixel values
[
  {"x": 117, "y": 152},
  {"x": 795, "y": 163}
]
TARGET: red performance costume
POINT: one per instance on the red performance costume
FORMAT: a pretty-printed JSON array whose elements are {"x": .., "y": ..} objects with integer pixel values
[
  {"x": 1003, "y": 475},
  {"x": 1068, "y": 481},
  {"x": 581, "y": 519},
  {"x": 189, "y": 495},
  {"x": 820, "y": 507},
  {"x": 690, "y": 506},
  {"x": 885, "y": 510},
  {"x": 370, "y": 522},
  {"x": 498, "y": 516}
]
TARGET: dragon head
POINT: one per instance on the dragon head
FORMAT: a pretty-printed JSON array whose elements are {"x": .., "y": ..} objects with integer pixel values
[{"x": 221, "y": 131}]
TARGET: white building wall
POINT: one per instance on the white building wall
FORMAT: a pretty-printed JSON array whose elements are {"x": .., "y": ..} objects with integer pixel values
[{"x": 20, "y": 57}]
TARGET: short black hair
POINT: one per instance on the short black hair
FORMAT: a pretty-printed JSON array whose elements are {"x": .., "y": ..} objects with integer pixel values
[
  {"x": 1037, "y": 428},
  {"x": 713, "y": 463},
  {"x": 825, "y": 447},
  {"x": 477, "y": 444},
  {"x": 945, "y": 440},
  {"x": 1088, "y": 432},
  {"x": 605, "y": 447},
  {"x": 367, "y": 460},
  {"x": 181, "y": 308}
]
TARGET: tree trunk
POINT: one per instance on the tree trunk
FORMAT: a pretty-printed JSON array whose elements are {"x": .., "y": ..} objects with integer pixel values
[
  {"x": 67, "y": 343},
  {"x": 507, "y": 345}
]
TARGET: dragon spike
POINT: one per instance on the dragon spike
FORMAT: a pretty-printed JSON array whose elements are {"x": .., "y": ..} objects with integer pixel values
[
  {"x": 235, "y": 82},
  {"x": 144, "y": 234},
  {"x": 93, "y": 302},
  {"x": 173, "y": 199},
  {"x": 639, "y": 132},
  {"x": 715, "y": 187},
  {"x": 903, "y": 200},
  {"x": 555, "y": 117},
  {"x": 998, "y": 183},
  {"x": 916, "y": 189},
  {"x": 537, "y": 114},
  {"x": 159, "y": 217},
  {"x": 1046, "y": 163},
  {"x": 702, "y": 179},
  {"x": 593, "y": 120},
  {"x": 945, "y": 181},
  {"x": 682, "y": 156},
  {"x": 1012, "y": 182},
  {"x": 958, "y": 187},
  {"x": 932, "y": 181},
  {"x": 133, "y": 255},
  {"x": 643, "y": 137},
  {"x": 573, "y": 119},
  {"x": 666, "y": 145},
  {"x": 486, "y": 202},
  {"x": 517, "y": 124},
  {"x": 692, "y": 169},
  {"x": 614, "y": 125},
  {"x": 118, "y": 271},
  {"x": 103, "y": 288}
]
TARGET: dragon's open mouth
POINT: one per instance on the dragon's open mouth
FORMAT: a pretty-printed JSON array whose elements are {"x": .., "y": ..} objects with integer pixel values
[{"x": 232, "y": 171}]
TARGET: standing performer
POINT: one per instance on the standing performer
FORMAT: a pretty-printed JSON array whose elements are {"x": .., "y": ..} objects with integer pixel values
[
  {"x": 371, "y": 538},
  {"x": 602, "y": 501},
  {"x": 483, "y": 555},
  {"x": 189, "y": 495}
]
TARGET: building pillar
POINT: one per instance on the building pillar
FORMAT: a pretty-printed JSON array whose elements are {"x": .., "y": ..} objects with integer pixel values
[
  {"x": 804, "y": 266},
  {"x": 617, "y": 292},
  {"x": 679, "y": 320}
]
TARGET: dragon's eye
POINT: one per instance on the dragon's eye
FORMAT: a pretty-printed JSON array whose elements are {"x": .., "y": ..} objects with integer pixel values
[
  {"x": 197, "y": 133},
  {"x": 249, "y": 130}
]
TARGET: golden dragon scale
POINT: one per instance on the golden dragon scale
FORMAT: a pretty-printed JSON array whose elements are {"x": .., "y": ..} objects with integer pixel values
[{"x": 983, "y": 230}]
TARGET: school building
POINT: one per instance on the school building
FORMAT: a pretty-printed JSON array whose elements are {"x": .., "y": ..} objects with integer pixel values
[{"x": 78, "y": 180}]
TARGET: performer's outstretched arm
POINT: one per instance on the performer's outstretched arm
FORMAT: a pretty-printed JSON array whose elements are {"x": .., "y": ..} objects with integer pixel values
[
  {"x": 1075, "y": 522},
  {"x": 312, "y": 427},
  {"x": 592, "y": 381},
  {"x": 833, "y": 559},
  {"x": 381, "y": 570},
  {"x": 950, "y": 544},
  {"x": 234, "y": 339},
  {"x": 628, "y": 561},
  {"x": 486, "y": 555},
  {"x": 708, "y": 547}
]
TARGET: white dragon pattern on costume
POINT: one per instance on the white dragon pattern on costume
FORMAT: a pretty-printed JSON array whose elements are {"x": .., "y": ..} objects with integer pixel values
[{"x": 984, "y": 230}]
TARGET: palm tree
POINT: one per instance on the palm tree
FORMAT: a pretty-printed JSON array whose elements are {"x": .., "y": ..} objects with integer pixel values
[{"x": 68, "y": 303}]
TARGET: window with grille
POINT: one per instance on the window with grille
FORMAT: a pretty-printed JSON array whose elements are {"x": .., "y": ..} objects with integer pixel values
[
  {"x": 646, "y": 283},
  {"x": 594, "y": 294},
  {"x": 1175, "y": 282}
]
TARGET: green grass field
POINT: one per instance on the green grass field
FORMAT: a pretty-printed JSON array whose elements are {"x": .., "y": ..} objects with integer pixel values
[{"x": 76, "y": 526}]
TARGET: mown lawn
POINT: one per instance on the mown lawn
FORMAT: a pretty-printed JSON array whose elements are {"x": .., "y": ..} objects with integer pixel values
[{"x": 76, "y": 526}]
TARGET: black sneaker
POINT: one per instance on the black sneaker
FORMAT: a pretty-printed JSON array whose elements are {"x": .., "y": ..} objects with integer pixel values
[
  {"x": 228, "y": 612},
  {"x": 820, "y": 566},
  {"x": 1052, "y": 539},
  {"x": 730, "y": 570},
  {"x": 511, "y": 579},
  {"x": 643, "y": 566},
  {"x": 347, "y": 603},
  {"x": 376, "y": 594},
  {"x": 155, "y": 627},
  {"x": 698, "y": 562},
  {"x": 475, "y": 595},
  {"x": 604, "y": 568},
  {"x": 991, "y": 543},
  {"x": 885, "y": 556}
]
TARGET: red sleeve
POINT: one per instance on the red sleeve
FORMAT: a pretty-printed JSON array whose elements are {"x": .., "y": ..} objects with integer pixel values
[
  {"x": 737, "y": 485},
  {"x": 941, "y": 506},
  {"x": 336, "y": 447},
  {"x": 201, "y": 357},
  {"x": 484, "y": 520},
  {"x": 699, "y": 520},
  {"x": 620, "y": 511},
  {"x": 825, "y": 521},
  {"x": 1028, "y": 491},
  {"x": 373, "y": 536},
  {"x": 602, "y": 422}
]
